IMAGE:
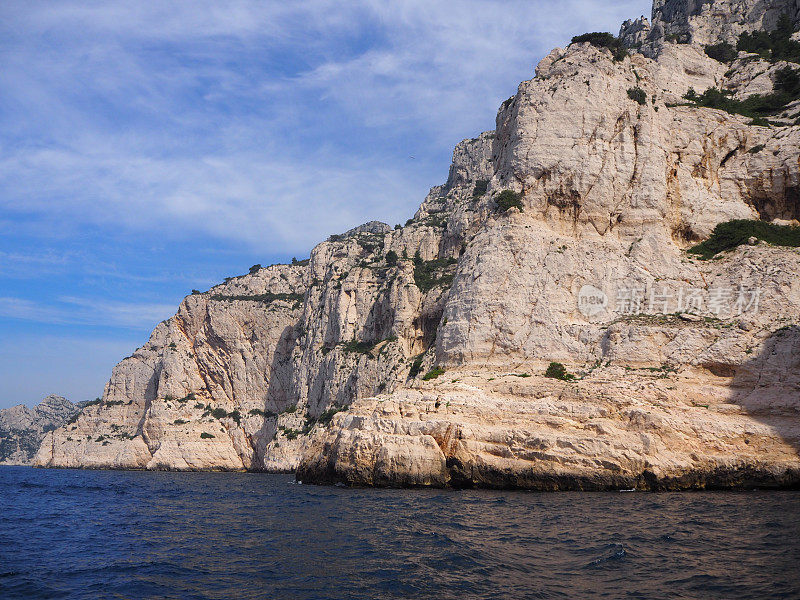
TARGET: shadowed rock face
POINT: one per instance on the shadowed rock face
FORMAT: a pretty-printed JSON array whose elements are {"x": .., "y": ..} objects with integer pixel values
[
  {"x": 320, "y": 365},
  {"x": 22, "y": 429}
]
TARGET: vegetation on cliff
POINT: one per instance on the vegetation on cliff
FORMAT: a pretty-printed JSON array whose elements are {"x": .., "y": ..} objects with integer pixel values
[{"x": 731, "y": 235}]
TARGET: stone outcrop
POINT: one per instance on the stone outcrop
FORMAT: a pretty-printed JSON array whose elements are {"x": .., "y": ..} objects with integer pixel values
[
  {"x": 22, "y": 429},
  {"x": 415, "y": 355}
]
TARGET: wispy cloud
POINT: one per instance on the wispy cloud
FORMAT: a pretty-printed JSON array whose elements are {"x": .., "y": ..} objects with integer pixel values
[
  {"x": 269, "y": 123},
  {"x": 150, "y": 147},
  {"x": 86, "y": 311}
]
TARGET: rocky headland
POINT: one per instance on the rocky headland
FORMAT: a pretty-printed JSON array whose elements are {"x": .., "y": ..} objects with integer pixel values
[
  {"x": 22, "y": 429},
  {"x": 546, "y": 320}
]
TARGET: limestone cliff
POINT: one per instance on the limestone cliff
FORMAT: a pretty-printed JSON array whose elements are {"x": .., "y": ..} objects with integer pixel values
[
  {"x": 416, "y": 355},
  {"x": 704, "y": 22},
  {"x": 22, "y": 429}
]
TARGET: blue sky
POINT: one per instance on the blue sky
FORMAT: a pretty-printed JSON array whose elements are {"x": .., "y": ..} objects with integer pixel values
[{"x": 149, "y": 148}]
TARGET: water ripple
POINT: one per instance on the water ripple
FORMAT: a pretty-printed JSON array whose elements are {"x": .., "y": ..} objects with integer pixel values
[{"x": 89, "y": 534}]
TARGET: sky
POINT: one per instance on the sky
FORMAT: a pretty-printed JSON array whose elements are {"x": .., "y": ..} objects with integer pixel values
[{"x": 152, "y": 148}]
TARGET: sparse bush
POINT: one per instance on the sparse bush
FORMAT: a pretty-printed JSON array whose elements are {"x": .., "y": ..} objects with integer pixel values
[
  {"x": 730, "y": 235},
  {"x": 433, "y": 374},
  {"x": 267, "y": 298},
  {"x": 255, "y": 269},
  {"x": 558, "y": 371},
  {"x": 756, "y": 107},
  {"x": 508, "y": 199},
  {"x": 326, "y": 416},
  {"x": 429, "y": 274},
  {"x": 787, "y": 80},
  {"x": 480, "y": 188},
  {"x": 603, "y": 39},
  {"x": 219, "y": 413},
  {"x": 206, "y": 436},
  {"x": 723, "y": 52},
  {"x": 772, "y": 45},
  {"x": 756, "y": 149},
  {"x": 416, "y": 366},
  {"x": 637, "y": 94},
  {"x": 179, "y": 422},
  {"x": 356, "y": 347},
  {"x": 195, "y": 292}
]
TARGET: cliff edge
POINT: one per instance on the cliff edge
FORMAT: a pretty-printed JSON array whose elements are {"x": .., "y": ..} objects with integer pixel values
[{"x": 542, "y": 321}]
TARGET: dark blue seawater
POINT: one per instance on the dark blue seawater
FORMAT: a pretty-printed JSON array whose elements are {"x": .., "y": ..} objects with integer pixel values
[{"x": 107, "y": 534}]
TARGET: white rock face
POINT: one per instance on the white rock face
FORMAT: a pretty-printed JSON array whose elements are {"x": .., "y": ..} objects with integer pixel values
[{"x": 687, "y": 368}]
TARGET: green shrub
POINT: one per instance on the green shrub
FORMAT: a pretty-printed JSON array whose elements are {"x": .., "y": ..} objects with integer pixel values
[
  {"x": 179, "y": 422},
  {"x": 756, "y": 149},
  {"x": 480, "y": 188},
  {"x": 558, "y": 371},
  {"x": 429, "y": 274},
  {"x": 206, "y": 436},
  {"x": 757, "y": 106},
  {"x": 416, "y": 366},
  {"x": 290, "y": 409},
  {"x": 326, "y": 416},
  {"x": 195, "y": 292},
  {"x": 723, "y": 52},
  {"x": 267, "y": 298},
  {"x": 603, "y": 39},
  {"x": 199, "y": 405},
  {"x": 219, "y": 413},
  {"x": 772, "y": 45},
  {"x": 637, "y": 94},
  {"x": 356, "y": 347},
  {"x": 787, "y": 80},
  {"x": 255, "y": 269},
  {"x": 391, "y": 258},
  {"x": 508, "y": 199},
  {"x": 236, "y": 416},
  {"x": 433, "y": 374},
  {"x": 730, "y": 235}
]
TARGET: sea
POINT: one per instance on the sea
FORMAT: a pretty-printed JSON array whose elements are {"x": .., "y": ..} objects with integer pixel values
[{"x": 126, "y": 534}]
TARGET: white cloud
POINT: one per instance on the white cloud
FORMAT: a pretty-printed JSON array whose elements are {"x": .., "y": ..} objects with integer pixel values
[
  {"x": 86, "y": 311},
  {"x": 105, "y": 125}
]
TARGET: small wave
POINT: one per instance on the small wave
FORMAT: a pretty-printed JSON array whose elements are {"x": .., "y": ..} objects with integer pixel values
[{"x": 614, "y": 552}]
